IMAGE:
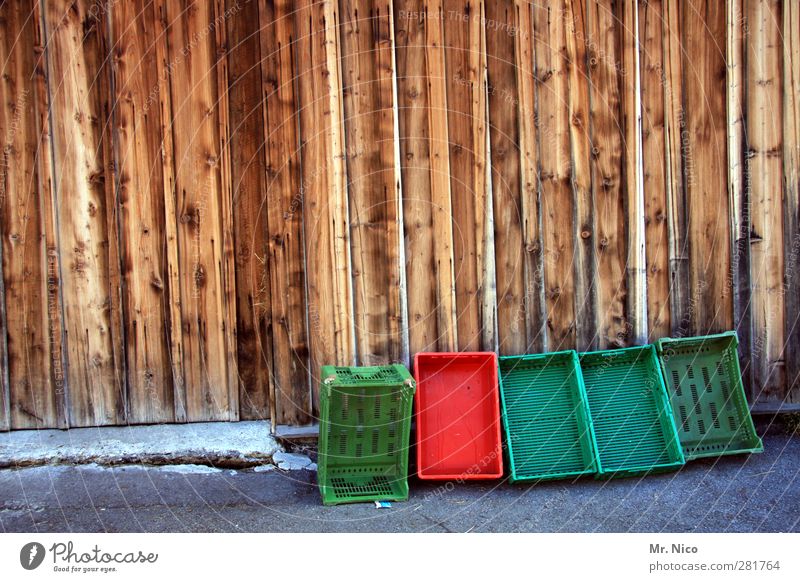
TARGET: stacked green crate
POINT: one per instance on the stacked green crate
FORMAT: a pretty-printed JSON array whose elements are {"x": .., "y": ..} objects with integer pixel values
[{"x": 365, "y": 420}]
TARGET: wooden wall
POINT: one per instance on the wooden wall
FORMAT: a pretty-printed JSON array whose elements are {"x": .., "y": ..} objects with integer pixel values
[{"x": 202, "y": 202}]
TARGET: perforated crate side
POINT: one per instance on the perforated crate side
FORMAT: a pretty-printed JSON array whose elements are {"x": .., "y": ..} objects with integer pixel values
[{"x": 707, "y": 395}]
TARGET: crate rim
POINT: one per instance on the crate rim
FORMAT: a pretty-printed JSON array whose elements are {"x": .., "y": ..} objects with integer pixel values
[
  {"x": 596, "y": 464},
  {"x": 650, "y": 351},
  {"x": 490, "y": 357}
]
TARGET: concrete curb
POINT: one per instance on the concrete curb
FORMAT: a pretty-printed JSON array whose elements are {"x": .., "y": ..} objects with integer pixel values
[{"x": 230, "y": 445}]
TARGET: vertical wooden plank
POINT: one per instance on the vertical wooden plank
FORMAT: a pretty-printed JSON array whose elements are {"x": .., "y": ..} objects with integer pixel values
[
  {"x": 556, "y": 192},
  {"x": 202, "y": 210},
  {"x": 367, "y": 44},
  {"x": 738, "y": 194},
  {"x": 636, "y": 275},
  {"x": 654, "y": 159},
  {"x": 466, "y": 121},
  {"x": 765, "y": 151},
  {"x": 221, "y": 14},
  {"x": 609, "y": 152},
  {"x": 608, "y": 177},
  {"x": 163, "y": 101},
  {"x": 589, "y": 315},
  {"x": 674, "y": 132},
  {"x": 425, "y": 170},
  {"x": 285, "y": 214},
  {"x": 85, "y": 211},
  {"x": 504, "y": 133},
  {"x": 791, "y": 195},
  {"x": 529, "y": 176},
  {"x": 140, "y": 196},
  {"x": 330, "y": 312},
  {"x": 705, "y": 167},
  {"x": 249, "y": 182},
  {"x": 32, "y": 398}
]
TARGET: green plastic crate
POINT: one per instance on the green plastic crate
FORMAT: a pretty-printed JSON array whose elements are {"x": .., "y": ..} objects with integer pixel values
[
  {"x": 545, "y": 417},
  {"x": 364, "y": 430},
  {"x": 630, "y": 412},
  {"x": 705, "y": 388}
]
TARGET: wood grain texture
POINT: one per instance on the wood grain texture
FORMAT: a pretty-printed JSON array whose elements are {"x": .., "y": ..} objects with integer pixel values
[
  {"x": 467, "y": 125},
  {"x": 506, "y": 162},
  {"x": 326, "y": 223},
  {"x": 654, "y": 157},
  {"x": 738, "y": 193},
  {"x": 609, "y": 152},
  {"x": 589, "y": 313},
  {"x": 202, "y": 207},
  {"x": 534, "y": 305},
  {"x": 630, "y": 88},
  {"x": 87, "y": 227},
  {"x": 791, "y": 195},
  {"x": 139, "y": 190},
  {"x": 367, "y": 65},
  {"x": 425, "y": 171},
  {"x": 557, "y": 205},
  {"x": 250, "y": 223},
  {"x": 674, "y": 130},
  {"x": 764, "y": 133},
  {"x": 162, "y": 99},
  {"x": 290, "y": 369},
  {"x": 705, "y": 168},
  {"x": 31, "y": 397}
]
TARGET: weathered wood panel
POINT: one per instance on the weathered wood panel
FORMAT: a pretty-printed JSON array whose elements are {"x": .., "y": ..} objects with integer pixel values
[
  {"x": 33, "y": 397},
  {"x": 588, "y": 313},
  {"x": 557, "y": 205},
  {"x": 465, "y": 67},
  {"x": 791, "y": 169},
  {"x": 529, "y": 174},
  {"x": 367, "y": 61},
  {"x": 738, "y": 194},
  {"x": 290, "y": 369},
  {"x": 249, "y": 183},
  {"x": 506, "y": 162},
  {"x": 425, "y": 170},
  {"x": 764, "y": 135},
  {"x": 674, "y": 129},
  {"x": 86, "y": 213},
  {"x": 140, "y": 198},
  {"x": 326, "y": 222},
  {"x": 198, "y": 137},
  {"x": 609, "y": 151},
  {"x": 654, "y": 157},
  {"x": 705, "y": 167},
  {"x": 636, "y": 275}
]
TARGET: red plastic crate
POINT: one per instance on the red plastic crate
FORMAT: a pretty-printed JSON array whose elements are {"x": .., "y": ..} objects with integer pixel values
[{"x": 458, "y": 416}]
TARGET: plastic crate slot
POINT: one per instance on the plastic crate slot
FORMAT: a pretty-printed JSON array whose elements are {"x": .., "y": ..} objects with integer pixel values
[
  {"x": 714, "y": 414},
  {"x": 676, "y": 382}
]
